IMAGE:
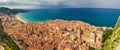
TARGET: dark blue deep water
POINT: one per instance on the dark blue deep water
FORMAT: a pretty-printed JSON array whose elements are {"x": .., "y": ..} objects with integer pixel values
[{"x": 94, "y": 16}]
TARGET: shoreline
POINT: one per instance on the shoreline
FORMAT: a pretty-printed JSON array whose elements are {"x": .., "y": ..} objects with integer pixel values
[{"x": 20, "y": 19}]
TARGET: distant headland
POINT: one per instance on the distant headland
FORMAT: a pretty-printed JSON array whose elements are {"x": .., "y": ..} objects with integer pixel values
[
  {"x": 12, "y": 12},
  {"x": 6, "y": 10}
]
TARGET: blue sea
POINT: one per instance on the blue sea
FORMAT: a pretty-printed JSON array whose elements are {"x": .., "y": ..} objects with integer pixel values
[{"x": 94, "y": 16}]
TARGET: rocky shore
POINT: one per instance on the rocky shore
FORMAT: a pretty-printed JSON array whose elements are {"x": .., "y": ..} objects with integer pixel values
[{"x": 53, "y": 34}]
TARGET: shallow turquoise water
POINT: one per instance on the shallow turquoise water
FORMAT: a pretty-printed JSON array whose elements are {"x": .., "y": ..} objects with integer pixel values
[{"x": 94, "y": 16}]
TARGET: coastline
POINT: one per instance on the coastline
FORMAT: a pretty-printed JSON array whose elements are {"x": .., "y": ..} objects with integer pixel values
[{"x": 20, "y": 19}]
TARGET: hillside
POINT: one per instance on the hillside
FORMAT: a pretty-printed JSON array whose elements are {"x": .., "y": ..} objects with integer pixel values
[
  {"x": 112, "y": 41},
  {"x": 116, "y": 35}
]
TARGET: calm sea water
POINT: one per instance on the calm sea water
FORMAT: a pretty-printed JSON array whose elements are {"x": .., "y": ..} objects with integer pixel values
[{"x": 94, "y": 16}]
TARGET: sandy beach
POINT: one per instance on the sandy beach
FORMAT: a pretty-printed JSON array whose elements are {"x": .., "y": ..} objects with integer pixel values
[{"x": 20, "y": 19}]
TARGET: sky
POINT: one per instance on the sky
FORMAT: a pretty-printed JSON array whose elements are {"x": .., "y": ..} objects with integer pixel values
[{"x": 39, "y": 4}]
